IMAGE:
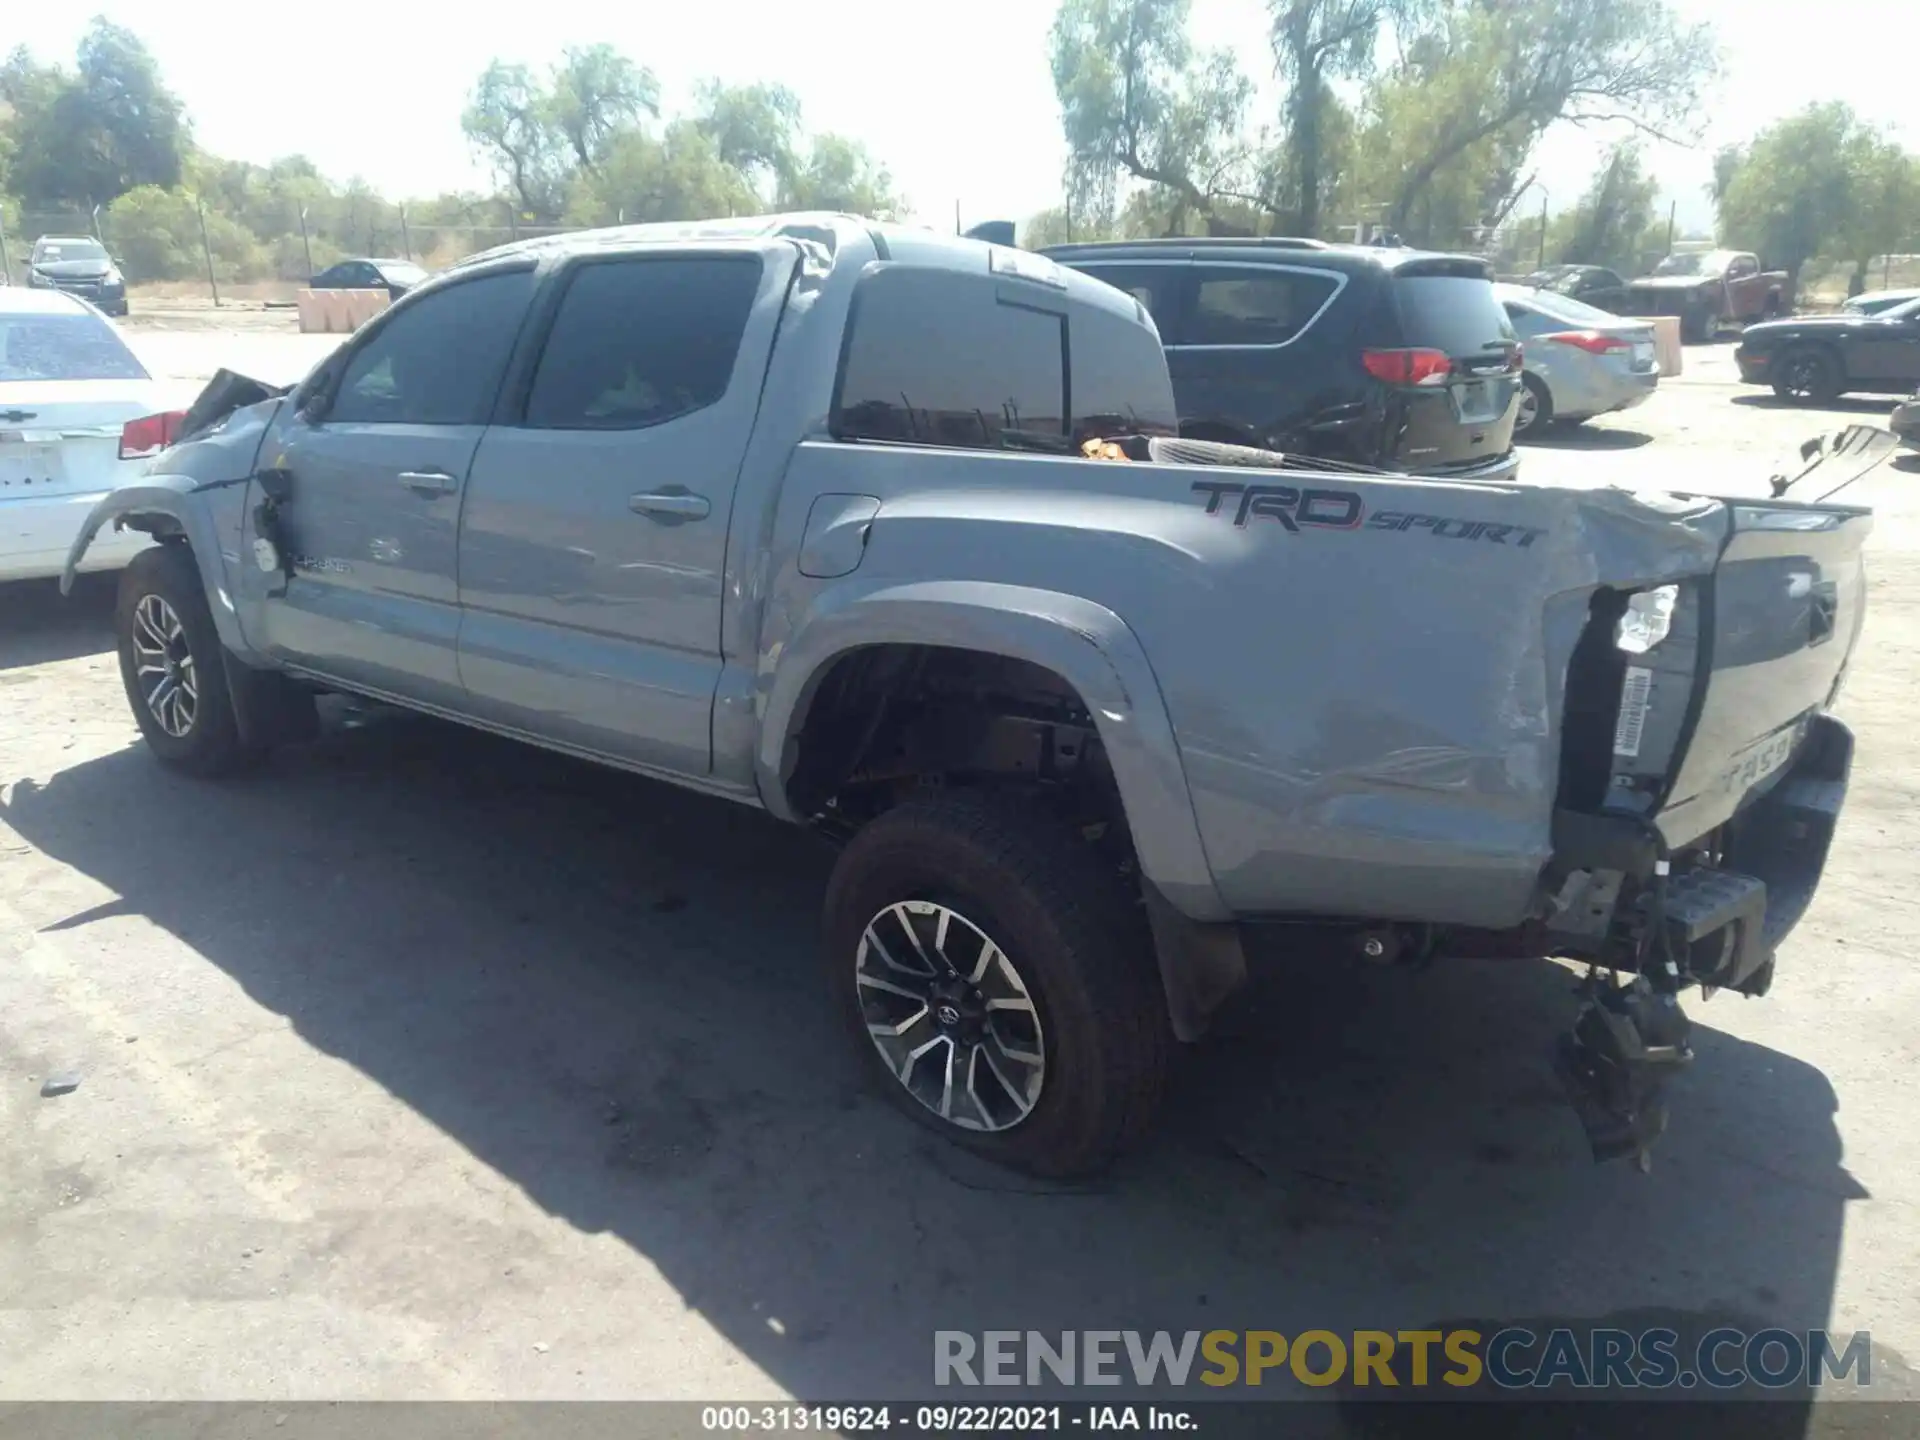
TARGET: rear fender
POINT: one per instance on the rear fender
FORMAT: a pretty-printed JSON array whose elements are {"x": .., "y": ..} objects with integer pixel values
[
  {"x": 1093, "y": 650},
  {"x": 1085, "y": 644},
  {"x": 165, "y": 506}
]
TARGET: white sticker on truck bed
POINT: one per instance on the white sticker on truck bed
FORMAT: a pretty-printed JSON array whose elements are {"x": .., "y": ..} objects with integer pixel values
[{"x": 1634, "y": 695}]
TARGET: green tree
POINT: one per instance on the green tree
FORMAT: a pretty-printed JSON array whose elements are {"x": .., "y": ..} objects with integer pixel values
[
  {"x": 1885, "y": 214},
  {"x": 754, "y": 128},
  {"x": 1493, "y": 77},
  {"x": 155, "y": 234},
  {"x": 1138, "y": 104},
  {"x": 598, "y": 93},
  {"x": 677, "y": 176},
  {"x": 839, "y": 174},
  {"x": 509, "y": 119},
  {"x": 1819, "y": 182},
  {"x": 1315, "y": 42},
  {"x": 87, "y": 137},
  {"x": 1609, "y": 225}
]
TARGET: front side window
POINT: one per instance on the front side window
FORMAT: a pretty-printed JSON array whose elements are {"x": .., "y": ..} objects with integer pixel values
[
  {"x": 439, "y": 360},
  {"x": 936, "y": 359},
  {"x": 1254, "y": 307},
  {"x": 643, "y": 341}
]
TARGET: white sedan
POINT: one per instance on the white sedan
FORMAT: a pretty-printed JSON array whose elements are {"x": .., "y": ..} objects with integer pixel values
[{"x": 76, "y": 409}]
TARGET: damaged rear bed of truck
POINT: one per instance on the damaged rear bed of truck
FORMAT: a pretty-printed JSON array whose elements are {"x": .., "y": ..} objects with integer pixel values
[{"x": 1529, "y": 721}]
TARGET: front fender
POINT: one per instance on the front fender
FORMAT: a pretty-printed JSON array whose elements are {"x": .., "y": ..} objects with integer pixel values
[
  {"x": 1087, "y": 645},
  {"x": 162, "y": 505}
]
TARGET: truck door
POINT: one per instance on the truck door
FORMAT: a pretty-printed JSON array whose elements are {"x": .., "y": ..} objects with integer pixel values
[
  {"x": 375, "y": 457},
  {"x": 593, "y": 542}
]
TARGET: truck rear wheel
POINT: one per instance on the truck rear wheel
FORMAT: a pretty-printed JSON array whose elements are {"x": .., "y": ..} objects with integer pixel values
[
  {"x": 998, "y": 977},
  {"x": 172, "y": 666}
]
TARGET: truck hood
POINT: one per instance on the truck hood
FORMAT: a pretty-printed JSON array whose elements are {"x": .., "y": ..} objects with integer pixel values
[{"x": 1673, "y": 282}]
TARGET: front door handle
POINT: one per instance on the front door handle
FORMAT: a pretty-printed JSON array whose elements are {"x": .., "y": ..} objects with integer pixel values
[
  {"x": 427, "y": 482},
  {"x": 670, "y": 505}
]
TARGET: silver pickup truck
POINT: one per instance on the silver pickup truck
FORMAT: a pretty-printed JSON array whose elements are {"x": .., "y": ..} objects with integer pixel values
[{"x": 890, "y": 534}]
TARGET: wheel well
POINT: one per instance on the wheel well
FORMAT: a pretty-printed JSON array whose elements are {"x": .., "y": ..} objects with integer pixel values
[
  {"x": 889, "y": 720},
  {"x": 158, "y": 523}
]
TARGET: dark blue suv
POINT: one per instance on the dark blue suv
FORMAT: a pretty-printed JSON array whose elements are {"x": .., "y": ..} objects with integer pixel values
[{"x": 1395, "y": 358}]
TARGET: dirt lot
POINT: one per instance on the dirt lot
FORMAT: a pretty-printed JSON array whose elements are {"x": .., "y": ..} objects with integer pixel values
[{"x": 423, "y": 1066}]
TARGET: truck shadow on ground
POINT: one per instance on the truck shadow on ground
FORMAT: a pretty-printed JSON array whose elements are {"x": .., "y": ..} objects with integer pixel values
[
  {"x": 608, "y": 991},
  {"x": 38, "y": 625}
]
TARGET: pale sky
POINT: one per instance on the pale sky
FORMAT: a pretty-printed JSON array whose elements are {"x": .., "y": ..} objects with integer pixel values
[{"x": 954, "y": 96}]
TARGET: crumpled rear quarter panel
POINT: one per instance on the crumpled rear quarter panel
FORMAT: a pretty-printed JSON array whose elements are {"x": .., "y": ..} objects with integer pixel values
[
  {"x": 1381, "y": 738},
  {"x": 1366, "y": 716}
]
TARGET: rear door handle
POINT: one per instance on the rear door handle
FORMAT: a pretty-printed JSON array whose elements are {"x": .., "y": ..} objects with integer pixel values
[
  {"x": 427, "y": 482},
  {"x": 670, "y": 505}
]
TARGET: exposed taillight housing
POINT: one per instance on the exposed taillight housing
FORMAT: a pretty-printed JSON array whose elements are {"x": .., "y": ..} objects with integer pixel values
[
  {"x": 146, "y": 437},
  {"x": 1591, "y": 341},
  {"x": 1408, "y": 367}
]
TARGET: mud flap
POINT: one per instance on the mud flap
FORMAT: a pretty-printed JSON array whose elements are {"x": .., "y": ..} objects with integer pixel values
[
  {"x": 269, "y": 708},
  {"x": 1201, "y": 963}
]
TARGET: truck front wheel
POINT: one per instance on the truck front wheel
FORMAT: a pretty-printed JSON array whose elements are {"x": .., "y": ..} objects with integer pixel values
[
  {"x": 171, "y": 664},
  {"x": 997, "y": 975}
]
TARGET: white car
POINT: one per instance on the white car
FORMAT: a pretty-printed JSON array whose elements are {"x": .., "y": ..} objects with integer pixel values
[{"x": 79, "y": 415}]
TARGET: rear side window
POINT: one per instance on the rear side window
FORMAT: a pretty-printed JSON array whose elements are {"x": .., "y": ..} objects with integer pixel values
[
  {"x": 64, "y": 347},
  {"x": 438, "y": 361},
  {"x": 1454, "y": 313},
  {"x": 1254, "y": 306},
  {"x": 640, "y": 342},
  {"x": 938, "y": 358},
  {"x": 1157, "y": 287}
]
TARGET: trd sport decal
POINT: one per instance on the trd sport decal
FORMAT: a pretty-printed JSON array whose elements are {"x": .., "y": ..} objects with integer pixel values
[{"x": 1320, "y": 509}]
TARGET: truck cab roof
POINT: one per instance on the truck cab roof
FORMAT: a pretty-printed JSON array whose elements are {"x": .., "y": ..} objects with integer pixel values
[{"x": 834, "y": 236}]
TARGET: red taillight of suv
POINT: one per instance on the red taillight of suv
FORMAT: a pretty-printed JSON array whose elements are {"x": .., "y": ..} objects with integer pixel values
[
  {"x": 1408, "y": 367},
  {"x": 1591, "y": 341},
  {"x": 146, "y": 437}
]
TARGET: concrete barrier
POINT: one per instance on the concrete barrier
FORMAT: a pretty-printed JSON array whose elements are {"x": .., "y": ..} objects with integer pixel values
[
  {"x": 339, "y": 312},
  {"x": 1667, "y": 349}
]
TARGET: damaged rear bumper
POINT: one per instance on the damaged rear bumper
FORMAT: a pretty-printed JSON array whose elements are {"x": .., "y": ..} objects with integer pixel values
[{"x": 1714, "y": 918}]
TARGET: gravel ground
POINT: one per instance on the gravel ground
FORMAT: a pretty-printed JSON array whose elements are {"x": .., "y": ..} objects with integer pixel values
[{"x": 421, "y": 1065}]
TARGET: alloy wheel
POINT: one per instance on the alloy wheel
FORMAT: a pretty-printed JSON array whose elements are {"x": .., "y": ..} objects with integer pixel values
[
  {"x": 163, "y": 663},
  {"x": 1529, "y": 409},
  {"x": 950, "y": 1015}
]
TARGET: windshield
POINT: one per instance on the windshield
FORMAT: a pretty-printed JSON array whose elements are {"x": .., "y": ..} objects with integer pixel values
[
  {"x": 47, "y": 252},
  {"x": 1905, "y": 310},
  {"x": 1708, "y": 262},
  {"x": 63, "y": 347}
]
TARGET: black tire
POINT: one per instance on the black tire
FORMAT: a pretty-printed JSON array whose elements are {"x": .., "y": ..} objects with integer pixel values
[
  {"x": 209, "y": 743},
  {"x": 1807, "y": 375},
  {"x": 1070, "y": 927},
  {"x": 1696, "y": 327},
  {"x": 1543, "y": 407}
]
